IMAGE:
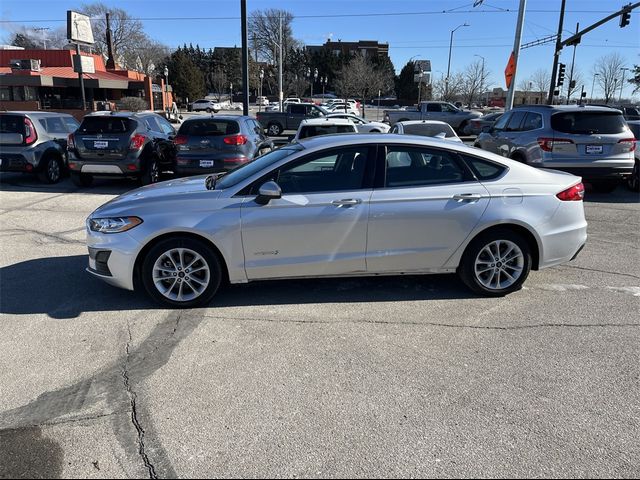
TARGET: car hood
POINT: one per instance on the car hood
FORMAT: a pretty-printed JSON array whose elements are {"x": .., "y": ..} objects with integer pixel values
[{"x": 167, "y": 193}]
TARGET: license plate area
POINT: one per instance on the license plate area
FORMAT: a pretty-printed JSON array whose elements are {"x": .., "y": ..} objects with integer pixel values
[
  {"x": 100, "y": 144},
  {"x": 206, "y": 163},
  {"x": 593, "y": 149}
]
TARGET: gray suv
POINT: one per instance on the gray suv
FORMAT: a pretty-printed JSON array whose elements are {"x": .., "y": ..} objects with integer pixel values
[
  {"x": 35, "y": 142},
  {"x": 121, "y": 144},
  {"x": 592, "y": 142}
]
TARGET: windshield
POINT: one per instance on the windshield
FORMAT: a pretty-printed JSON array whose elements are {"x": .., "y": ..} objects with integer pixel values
[{"x": 243, "y": 172}]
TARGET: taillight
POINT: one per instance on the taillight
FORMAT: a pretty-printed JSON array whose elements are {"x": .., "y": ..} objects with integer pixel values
[
  {"x": 137, "y": 142},
  {"x": 180, "y": 140},
  {"x": 235, "y": 140},
  {"x": 30, "y": 131},
  {"x": 235, "y": 160},
  {"x": 630, "y": 143},
  {"x": 572, "y": 194},
  {"x": 547, "y": 144},
  {"x": 71, "y": 141}
]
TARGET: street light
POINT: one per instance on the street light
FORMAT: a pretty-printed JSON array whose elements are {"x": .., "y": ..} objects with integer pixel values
[
  {"x": 465, "y": 24},
  {"x": 261, "y": 77},
  {"x": 593, "y": 83},
  {"x": 323, "y": 82},
  {"x": 624, "y": 69},
  {"x": 315, "y": 79},
  {"x": 482, "y": 73},
  {"x": 165, "y": 98}
]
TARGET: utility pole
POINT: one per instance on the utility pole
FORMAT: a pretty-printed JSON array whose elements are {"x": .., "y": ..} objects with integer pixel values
[
  {"x": 516, "y": 54},
  {"x": 624, "y": 69},
  {"x": 573, "y": 62},
  {"x": 245, "y": 58},
  {"x": 44, "y": 38},
  {"x": 556, "y": 55},
  {"x": 280, "y": 95}
]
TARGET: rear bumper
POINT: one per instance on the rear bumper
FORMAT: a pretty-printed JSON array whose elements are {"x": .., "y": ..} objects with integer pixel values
[
  {"x": 594, "y": 173},
  {"x": 114, "y": 168},
  {"x": 192, "y": 165}
]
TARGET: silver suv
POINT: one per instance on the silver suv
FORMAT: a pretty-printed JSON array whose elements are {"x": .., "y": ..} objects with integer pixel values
[
  {"x": 592, "y": 142},
  {"x": 35, "y": 142}
]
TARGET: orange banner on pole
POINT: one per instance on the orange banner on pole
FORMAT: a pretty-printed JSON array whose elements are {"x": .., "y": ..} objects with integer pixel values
[{"x": 510, "y": 70}]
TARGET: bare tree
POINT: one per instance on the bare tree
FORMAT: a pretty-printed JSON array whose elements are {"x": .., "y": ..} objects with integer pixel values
[
  {"x": 30, "y": 37},
  {"x": 608, "y": 70},
  {"x": 126, "y": 32},
  {"x": 541, "y": 79},
  {"x": 149, "y": 56},
  {"x": 577, "y": 77},
  {"x": 294, "y": 84},
  {"x": 264, "y": 33},
  {"x": 474, "y": 79},
  {"x": 448, "y": 91},
  {"x": 219, "y": 81},
  {"x": 359, "y": 78}
]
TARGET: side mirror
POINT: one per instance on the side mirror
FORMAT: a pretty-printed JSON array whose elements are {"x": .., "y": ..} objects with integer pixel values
[
  {"x": 268, "y": 191},
  {"x": 180, "y": 117},
  {"x": 486, "y": 129}
]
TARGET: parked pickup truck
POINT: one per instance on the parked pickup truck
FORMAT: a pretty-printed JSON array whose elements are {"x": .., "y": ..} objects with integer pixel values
[
  {"x": 277, "y": 122},
  {"x": 443, "y": 111}
]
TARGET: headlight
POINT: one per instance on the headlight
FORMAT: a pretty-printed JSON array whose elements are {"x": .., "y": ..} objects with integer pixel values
[{"x": 113, "y": 224}]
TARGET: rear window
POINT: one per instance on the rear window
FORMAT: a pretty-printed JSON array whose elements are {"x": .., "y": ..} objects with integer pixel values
[
  {"x": 107, "y": 125},
  {"x": 588, "y": 122},
  {"x": 427, "y": 130},
  {"x": 12, "y": 124},
  {"x": 209, "y": 128},
  {"x": 315, "y": 130}
]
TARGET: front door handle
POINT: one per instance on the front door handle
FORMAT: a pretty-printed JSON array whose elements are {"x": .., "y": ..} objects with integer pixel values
[
  {"x": 346, "y": 202},
  {"x": 467, "y": 197}
]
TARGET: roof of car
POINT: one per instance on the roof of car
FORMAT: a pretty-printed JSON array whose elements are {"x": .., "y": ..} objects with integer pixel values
[
  {"x": 218, "y": 117},
  {"x": 567, "y": 108},
  {"x": 423, "y": 122},
  {"x": 36, "y": 114},
  {"x": 326, "y": 121}
]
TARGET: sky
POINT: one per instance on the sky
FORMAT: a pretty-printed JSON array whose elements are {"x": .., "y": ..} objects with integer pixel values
[{"x": 414, "y": 29}]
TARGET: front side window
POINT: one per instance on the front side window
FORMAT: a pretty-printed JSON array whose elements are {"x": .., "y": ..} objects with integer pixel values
[
  {"x": 515, "y": 121},
  {"x": 532, "y": 121},
  {"x": 297, "y": 109},
  {"x": 446, "y": 107},
  {"x": 417, "y": 167},
  {"x": 434, "y": 107},
  {"x": 152, "y": 124},
  {"x": 502, "y": 122},
  {"x": 337, "y": 170}
]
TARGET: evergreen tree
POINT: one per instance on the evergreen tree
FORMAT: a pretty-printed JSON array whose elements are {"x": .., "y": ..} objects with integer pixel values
[{"x": 185, "y": 77}]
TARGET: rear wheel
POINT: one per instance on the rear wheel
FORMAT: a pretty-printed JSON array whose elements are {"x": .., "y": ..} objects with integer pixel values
[
  {"x": 633, "y": 180},
  {"x": 181, "y": 272},
  {"x": 50, "y": 169},
  {"x": 151, "y": 173},
  {"x": 208, "y": 110},
  {"x": 274, "y": 129},
  {"x": 461, "y": 127},
  {"x": 81, "y": 179},
  {"x": 496, "y": 263}
]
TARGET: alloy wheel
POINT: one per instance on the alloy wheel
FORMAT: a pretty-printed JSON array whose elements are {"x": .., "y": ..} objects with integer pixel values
[
  {"x": 53, "y": 170},
  {"x": 181, "y": 274},
  {"x": 499, "y": 264}
]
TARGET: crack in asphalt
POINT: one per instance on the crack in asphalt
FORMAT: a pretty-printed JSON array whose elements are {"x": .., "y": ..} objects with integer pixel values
[
  {"x": 134, "y": 411},
  {"x": 14, "y": 232},
  {"x": 430, "y": 324},
  {"x": 599, "y": 271}
]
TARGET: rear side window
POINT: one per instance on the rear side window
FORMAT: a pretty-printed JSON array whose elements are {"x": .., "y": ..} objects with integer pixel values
[
  {"x": 417, "y": 167},
  {"x": 484, "y": 169},
  {"x": 209, "y": 128},
  {"x": 107, "y": 125},
  {"x": 315, "y": 130},
  {"x": 53, "y": 125},
  {"x": 434, "y": 107},
  {"x": 588, "y": 122},
  {"x": 12, "y": 124},
  {"x": 515, "y": 121}
]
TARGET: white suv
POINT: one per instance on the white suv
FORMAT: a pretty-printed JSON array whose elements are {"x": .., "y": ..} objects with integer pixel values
[
  {"x": 206, "y": 105},
  {"x": 323, "y": 126}
]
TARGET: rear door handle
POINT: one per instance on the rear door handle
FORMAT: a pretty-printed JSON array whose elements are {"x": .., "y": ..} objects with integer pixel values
[
  {"x": 467, "y": 197},
  {"x": 346, "y": 202}
]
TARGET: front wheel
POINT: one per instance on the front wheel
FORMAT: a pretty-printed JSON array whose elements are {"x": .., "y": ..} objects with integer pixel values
[
  {"x": 633, "y": 180},
  {"x": 151, "y": 173},
  {"x": 181, "y": 272},
  {"x": 274, "y": 129},
  {"x": 208, "y": 110},
  {"x": 496, "y": 263}
]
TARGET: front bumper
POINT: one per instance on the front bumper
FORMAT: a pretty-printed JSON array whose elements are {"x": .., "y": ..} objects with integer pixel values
[{"x": 112, "y": 257}]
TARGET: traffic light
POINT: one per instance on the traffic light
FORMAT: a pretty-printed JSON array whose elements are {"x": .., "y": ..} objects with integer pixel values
[
  {"x": 561, "y": 69},
  {"x": 584, "y": 94},
  {"x": 625, "y": 18},
  {"x": 572, "y": 84}
]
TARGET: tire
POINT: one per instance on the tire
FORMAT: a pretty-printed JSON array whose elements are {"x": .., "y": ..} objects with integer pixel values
[
  {"x": 208, "y": 110},
  {"x": 518, "y": 158},
  {"x": 633, "y": 180},
  {"x": 50, "y": 169},
  {"x": 151, "y": 173},
  {"x": 481, "y": 280},
  {"x": 274, "y": 129},
  {"x": 461, "y": 128},
  {"x": 216, "y": 111},
  {"x": 82, "y": 180},
  {"x": 604, "y": 186},
  {"x": 168, "y": 281}
]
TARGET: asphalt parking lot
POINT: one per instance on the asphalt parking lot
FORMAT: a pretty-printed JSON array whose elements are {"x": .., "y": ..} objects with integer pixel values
[{"x": 382, "y": 377}]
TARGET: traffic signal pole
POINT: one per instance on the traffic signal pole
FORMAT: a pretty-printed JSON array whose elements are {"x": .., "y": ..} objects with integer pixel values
[
  {"x": 573, "y": 62},
  {"x": 556, "y": 55}
]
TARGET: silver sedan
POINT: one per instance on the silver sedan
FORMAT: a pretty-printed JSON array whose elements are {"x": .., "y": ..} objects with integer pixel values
[{"x": 344, "y": 205}]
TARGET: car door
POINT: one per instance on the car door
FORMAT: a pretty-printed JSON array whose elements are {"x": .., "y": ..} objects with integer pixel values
[
  {"x": 168, "y": 148},
  {"x": 492, "y": 140},
  {"x": 512, "y": 134},
  {"x": 426, "y": 206},
  {"x": 319, "y": 226}
]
